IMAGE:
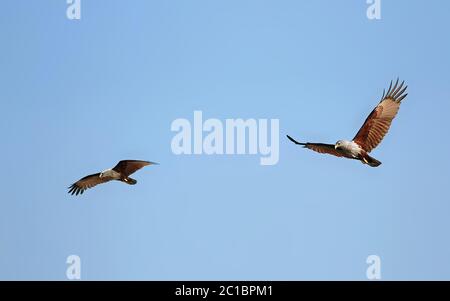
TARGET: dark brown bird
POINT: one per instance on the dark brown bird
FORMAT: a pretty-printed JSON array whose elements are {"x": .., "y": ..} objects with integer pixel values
[
  {"x": 120, "y": 172},
  {"x": 371, "y": 133}
]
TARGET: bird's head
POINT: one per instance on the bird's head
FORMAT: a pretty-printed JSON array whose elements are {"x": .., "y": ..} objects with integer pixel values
[
  {"x": 339, "y": 144},
  {"x": 105, "y": 173}
]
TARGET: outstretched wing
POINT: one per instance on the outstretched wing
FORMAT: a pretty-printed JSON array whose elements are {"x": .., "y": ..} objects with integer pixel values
[
  {"x": 87, "y": 182},
  {"x": 127, "y": 167},
  {"x": 319, "y": 147},
  {"x": 379, "y": 121}
]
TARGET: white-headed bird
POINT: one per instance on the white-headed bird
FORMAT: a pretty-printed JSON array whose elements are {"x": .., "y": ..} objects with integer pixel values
[
  {"x": 371, "y": 133},
  {"x": 120, "y": 172}
]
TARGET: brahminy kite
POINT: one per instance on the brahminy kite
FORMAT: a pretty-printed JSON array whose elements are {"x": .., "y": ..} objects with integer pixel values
[
  {"x": 371, "y": 133},
  {"x": 120, "y": 172}
]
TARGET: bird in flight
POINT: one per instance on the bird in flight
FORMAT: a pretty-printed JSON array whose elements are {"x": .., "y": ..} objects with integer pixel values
[
  {"x": 120, "y": 172},
  {"x": 371, "y": 133}
]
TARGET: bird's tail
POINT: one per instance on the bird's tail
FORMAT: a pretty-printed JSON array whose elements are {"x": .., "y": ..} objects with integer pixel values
[
  {"x": 371, "y": 161},
  {"x": 295, "y": 141},
  {"x": 129, "y": 181}
]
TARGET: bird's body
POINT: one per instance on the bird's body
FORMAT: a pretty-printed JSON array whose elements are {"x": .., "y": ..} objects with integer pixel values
[
  {"x": 120, "y": 172},
  {"x": 353, "y": 150},
  {"x": 371, "y": 133},
  {"x": 349, "y": 149},
  {"x": 110, "y": 173}
]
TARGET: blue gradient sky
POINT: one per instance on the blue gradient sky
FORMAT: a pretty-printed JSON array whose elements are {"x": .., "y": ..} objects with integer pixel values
[{"x": 77, "y": 96}]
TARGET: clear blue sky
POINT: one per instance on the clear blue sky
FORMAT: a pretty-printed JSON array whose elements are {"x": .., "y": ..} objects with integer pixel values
[{"x": 77, "y": 96}]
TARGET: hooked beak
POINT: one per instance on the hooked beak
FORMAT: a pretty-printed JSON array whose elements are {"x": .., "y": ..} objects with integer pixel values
[{"x": 336, "y": 147}]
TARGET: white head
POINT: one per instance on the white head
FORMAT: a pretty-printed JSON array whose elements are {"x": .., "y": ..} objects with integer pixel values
[
  {"x": 106, "y": 173},
  {"x": 341, "y": 144}
]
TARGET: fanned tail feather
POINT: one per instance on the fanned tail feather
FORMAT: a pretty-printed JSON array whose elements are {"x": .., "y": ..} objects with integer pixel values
[{"x": 371, "y": 161}]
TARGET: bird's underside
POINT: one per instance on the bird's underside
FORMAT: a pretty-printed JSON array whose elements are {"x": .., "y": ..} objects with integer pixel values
[
  {"x": 370, "y": 134},
  {"x": 120, "y": 172},
  {"x": 351, "y": 151}
]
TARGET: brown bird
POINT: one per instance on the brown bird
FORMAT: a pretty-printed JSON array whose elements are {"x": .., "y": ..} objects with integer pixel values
[
  {"x": 120, "y": 172},
  {"x": 371, "y": 133}
]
